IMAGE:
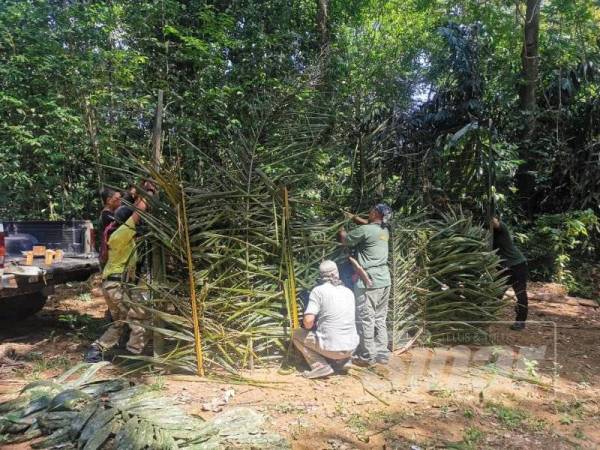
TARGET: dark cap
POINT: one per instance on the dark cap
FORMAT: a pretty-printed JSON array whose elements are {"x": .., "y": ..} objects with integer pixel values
[{"x": 122, "y": 214}]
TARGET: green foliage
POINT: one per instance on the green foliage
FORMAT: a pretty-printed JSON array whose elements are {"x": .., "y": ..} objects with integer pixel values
[
  {"x": 418, "y": 95},
  {"x": 111, "y": 413},
  {"x": 509, "y": 417},
  {"x": 559, "y": 246}
]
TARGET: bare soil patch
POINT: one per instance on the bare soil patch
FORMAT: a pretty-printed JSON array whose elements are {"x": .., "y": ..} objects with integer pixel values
[{"x": 500, "y": 394}]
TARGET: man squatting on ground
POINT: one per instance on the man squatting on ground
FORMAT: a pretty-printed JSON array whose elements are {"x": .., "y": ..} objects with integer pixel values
[
  {"x": 516, "y": 269},
  {"x": 334, "y": 338},
  {"x": 370, "y": 240},
  {"x": 119, "y": 270}
]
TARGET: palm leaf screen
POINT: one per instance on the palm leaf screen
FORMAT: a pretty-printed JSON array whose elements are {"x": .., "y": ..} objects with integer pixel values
[
  {"x": 446, "y": 281},
  {"x": 249, "y": 244}
]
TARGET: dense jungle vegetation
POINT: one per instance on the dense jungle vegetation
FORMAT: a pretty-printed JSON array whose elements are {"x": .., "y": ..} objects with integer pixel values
[{"x": 483, "y": 103}]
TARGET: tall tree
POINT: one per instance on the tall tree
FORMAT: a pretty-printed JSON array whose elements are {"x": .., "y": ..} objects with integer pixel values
[
  {"x": 323, "y": 23},
  {"x": 530, "y": 54}
]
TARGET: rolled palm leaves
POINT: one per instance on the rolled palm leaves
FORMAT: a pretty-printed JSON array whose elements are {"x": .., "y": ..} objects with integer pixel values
[{"x": 87, "y": 413}]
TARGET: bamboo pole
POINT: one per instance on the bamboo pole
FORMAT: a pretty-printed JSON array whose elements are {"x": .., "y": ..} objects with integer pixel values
[
  {"x": 158, "y": 267},
  {"x": 289, "y": 259},
  {"x": 192, "y": 282}
]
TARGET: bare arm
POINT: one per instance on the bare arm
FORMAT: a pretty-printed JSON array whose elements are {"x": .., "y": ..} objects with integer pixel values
[
  {"x": 308, "y": 321},
  {"x": 342, "y": 233},
  {"x": 356, "y": 218},
  {"x": 140, "y": 204}
]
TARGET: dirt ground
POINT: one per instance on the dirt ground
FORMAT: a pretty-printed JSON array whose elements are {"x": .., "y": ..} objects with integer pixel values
[{"x": 539, "y": 388}]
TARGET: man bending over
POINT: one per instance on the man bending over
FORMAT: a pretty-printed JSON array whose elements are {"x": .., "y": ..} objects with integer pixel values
[{"x": 331, "y": 307}]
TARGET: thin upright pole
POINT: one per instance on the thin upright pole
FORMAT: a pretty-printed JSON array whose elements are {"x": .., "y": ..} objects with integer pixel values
[
  {"x": 158, "y": 270},
  {"x": 291, "y": 276}
]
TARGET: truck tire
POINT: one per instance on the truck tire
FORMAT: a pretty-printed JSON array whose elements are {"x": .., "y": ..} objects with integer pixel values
[{"x": 20, "y": 307}]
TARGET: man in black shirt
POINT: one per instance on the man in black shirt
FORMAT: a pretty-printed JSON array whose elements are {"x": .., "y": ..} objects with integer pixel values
[
  {"x": 516, "y": 268},
  {"x": 111, "y": 200}
]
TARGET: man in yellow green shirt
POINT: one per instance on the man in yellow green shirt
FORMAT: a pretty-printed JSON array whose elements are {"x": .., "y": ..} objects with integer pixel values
[{"x": 120, "y": 269}]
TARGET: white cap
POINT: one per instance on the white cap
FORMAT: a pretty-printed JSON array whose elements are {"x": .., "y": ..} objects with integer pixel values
[{"x": 329, "y": 268}]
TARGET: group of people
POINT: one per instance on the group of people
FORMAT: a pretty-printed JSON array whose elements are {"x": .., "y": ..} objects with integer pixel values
[
  {"x": 118, "y": 261},
  {"x": 343, "y": 326}
]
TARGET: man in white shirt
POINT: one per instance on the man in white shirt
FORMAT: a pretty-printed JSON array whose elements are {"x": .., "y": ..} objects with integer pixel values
[{"x": 331, "y": 306}]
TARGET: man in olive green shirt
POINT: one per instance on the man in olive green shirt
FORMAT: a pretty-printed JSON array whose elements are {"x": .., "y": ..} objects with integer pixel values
[
  {"x": 120, "y": 269},
  {"x": 370, "y": 241},
  {"x": 516, "y": 267}
]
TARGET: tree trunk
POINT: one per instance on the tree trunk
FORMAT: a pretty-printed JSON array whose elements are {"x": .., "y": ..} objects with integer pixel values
[
  {"x": 530, "y": 55},
  {"x": 323, "y": 24},
  {"x": 525, "y": 180}
]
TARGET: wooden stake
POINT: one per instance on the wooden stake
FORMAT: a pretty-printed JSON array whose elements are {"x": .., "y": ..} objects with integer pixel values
[
  {"x": 158, "y": 260},
  {"x": 289, "y": 261}
]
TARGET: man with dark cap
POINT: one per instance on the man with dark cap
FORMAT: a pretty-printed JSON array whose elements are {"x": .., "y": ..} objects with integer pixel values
[
  {"x": 516, "y": 269},
  {"x": 120, "y": 269},
  {"x": 370, "y": 241},
  {"x": 329, "y": 334},
  {"x": 111, "y": 200}
]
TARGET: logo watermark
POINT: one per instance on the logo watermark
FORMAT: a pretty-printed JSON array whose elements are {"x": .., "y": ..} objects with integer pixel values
[{"x": 475, "y": 356}]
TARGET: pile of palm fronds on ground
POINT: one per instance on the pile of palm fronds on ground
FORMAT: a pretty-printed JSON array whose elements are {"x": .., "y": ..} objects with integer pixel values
[
  {"x": 112, "y": 414},
  {"x": 447, "y": 284}
]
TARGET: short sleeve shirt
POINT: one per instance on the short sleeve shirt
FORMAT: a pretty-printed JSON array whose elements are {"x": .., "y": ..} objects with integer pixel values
[
  {"x": 371, "y": 243},
  {"x": 121, "y": 250},
  {"x": 334, "y": 309}
]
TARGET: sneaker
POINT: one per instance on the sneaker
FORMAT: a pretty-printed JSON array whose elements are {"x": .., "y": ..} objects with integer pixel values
[
  {"x": 518, "y": 326},
  {"x": 93, "y": 355},
  {"x": 342, "y": 366},
  {"x": 318, "y": 372}
]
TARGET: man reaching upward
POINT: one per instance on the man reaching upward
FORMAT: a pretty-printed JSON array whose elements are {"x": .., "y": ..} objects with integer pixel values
[
  {"x": 370, "y": 242},
  {"x": 117, "y": 273}
]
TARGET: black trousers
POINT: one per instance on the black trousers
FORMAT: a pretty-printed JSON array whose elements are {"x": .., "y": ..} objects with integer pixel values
[{"x": 518, "y": 280}]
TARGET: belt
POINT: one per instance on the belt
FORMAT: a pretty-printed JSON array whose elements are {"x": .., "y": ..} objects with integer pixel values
[{"x": 115, "y": 277}]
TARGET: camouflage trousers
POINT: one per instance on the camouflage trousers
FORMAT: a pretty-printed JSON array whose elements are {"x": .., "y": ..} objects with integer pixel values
[{"x": 123, "y": 316}]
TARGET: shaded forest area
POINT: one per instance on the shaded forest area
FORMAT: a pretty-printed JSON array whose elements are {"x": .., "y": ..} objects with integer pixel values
[{"x": 482, "y": 104}]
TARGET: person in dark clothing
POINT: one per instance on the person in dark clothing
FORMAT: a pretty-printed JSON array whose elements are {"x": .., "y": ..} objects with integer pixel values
[
  {"x": 131, "y": 195},
  {"x": 516, "y": 268},
  {"x": 111, "y": 200}
]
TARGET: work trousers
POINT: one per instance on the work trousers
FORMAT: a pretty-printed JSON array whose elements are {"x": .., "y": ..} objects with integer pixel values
[
  {"x": 371, "y": 317},
  {"x": 123, "y": 316},
  {"x": 518, "y": 280},
  {"x": 307, "y": 343}
]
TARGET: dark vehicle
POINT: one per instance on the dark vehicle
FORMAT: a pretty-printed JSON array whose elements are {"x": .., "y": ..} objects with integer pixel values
[{"x": 24, "y": 289}]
